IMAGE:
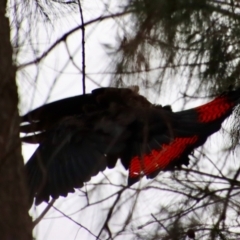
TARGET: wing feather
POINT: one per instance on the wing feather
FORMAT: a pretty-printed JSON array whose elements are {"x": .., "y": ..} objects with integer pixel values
[{"x": 82, "y": 135}]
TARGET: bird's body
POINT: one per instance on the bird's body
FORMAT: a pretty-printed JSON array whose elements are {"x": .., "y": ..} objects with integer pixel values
[{"x": 82, "y": 135}]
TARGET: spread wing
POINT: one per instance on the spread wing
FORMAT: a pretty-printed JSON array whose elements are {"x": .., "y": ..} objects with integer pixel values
[
  {"x": 78, "y": 137},
  {"x": 83, "y": 135}
]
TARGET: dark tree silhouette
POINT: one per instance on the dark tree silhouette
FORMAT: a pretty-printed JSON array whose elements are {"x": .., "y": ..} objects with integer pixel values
[{"x": 15, "y": 222}]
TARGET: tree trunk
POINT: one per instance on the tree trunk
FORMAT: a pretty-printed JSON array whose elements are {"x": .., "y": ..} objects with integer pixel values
[{"x": 15, "y": 222}]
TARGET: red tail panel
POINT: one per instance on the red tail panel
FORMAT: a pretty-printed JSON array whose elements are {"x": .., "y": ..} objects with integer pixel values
[
  {"x": 214, "y": 110},
  {"x": 160, "y": 159}
]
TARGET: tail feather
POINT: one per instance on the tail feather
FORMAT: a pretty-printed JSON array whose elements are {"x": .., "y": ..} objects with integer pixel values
[
  {"x": 216, "y": 110},
  {"x": 189, "y": 129}
]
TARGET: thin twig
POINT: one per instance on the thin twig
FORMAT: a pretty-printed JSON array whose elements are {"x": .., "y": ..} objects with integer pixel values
[
  {"x": 105, "y": 225},
  {"x": 67, "y": 34},
  {"x": 50, "y": 204},
  {"x": 83, "y": 48},
  {"x": 80, "y": 225}
]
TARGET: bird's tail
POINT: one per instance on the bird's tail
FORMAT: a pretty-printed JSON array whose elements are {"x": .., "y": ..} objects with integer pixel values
[{"x": 188, "y": 129}]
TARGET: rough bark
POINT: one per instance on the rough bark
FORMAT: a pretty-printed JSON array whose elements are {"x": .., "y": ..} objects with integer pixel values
[{"x": 15, "y": 222}]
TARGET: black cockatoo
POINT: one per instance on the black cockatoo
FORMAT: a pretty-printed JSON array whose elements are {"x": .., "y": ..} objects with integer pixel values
[{"x": 80, "y": 136}]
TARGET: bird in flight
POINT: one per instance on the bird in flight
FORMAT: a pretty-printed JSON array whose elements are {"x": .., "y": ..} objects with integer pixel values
[{"x": 80, "y": 136}]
